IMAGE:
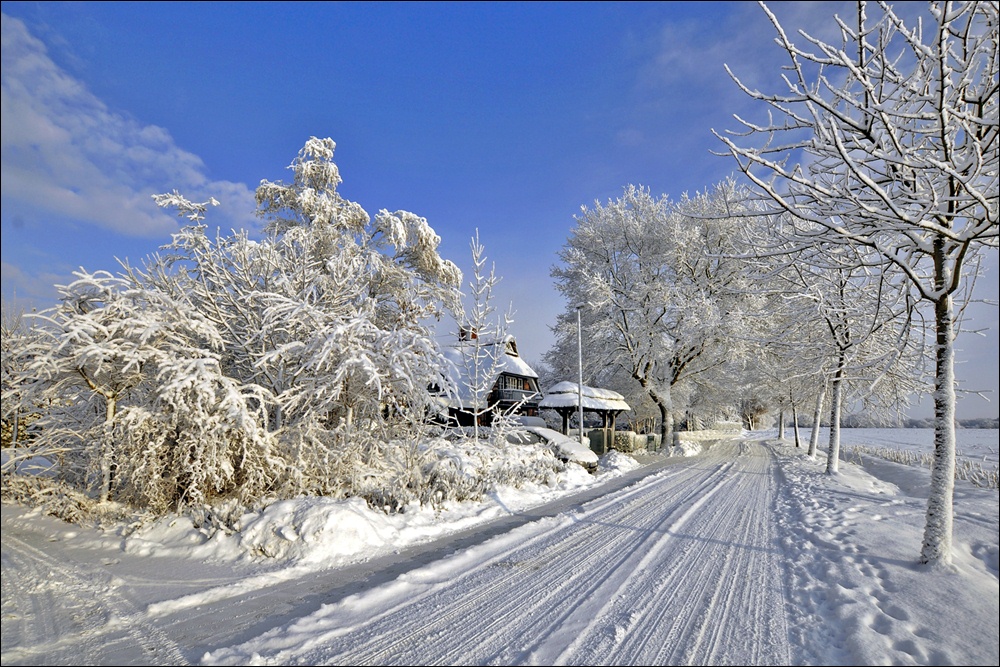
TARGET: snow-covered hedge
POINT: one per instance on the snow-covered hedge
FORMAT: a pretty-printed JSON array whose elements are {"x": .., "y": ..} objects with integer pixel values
[
  {"x": 442, "y": 470},
  {"x": 727, "y": 426},
  {"x": 708, "y": 434},
  {"x": 624, "y": 441}
]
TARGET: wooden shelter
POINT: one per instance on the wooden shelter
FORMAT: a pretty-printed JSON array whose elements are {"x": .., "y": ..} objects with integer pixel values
[{"x": 564, "y": 399}]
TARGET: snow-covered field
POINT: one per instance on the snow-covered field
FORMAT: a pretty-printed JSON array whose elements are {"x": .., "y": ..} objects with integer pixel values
[
  {"x": 742, "y": 553},
  {"x": 974, "y": 444}
]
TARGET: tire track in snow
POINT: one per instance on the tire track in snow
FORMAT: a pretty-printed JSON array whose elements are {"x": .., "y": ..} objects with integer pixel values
[
  {"x": 493, "y": 591},
  {"x": 690, "y": 613},
  {"x": 578, "y": 573},
  {"x": 26, "y": 626},
  {"x": 62, "y": 596},
  {"x": 641, "y": 576},
  {"x": 650, "y": 559}
]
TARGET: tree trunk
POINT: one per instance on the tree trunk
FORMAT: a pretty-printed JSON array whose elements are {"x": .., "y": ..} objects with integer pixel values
[
  {"x": 814, "y": 436},
  {"x": 781, "y": 424},
  {"x": 666, "y": 426},
  {"x": 837, "y": 390},
  {"x": 936, "y": 547},
  {"x": 663, "y": 403},
  {"x": 795, "y": 425},
  {"x": 110, "y": 409}
]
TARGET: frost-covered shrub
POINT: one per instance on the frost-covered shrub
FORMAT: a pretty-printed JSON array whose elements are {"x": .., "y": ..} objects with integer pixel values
[
  {"x": 507, "y": 428},
  {"x": 135, "y": 399},
  {"x": 390, "y": 474},
  {"x": 232, "y": 370},
  {"x": 462, "y": 469},
  {"x": 56, "y": 498},
  {"x": 628, "y": 441},
  {"x": 198, "y": 443},
  {"x": 621, "y": 441}
]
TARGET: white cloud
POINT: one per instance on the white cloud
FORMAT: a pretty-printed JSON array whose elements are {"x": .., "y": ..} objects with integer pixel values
[
  {"x": 24, "y": 291},
  {"x": 66, "y": 155}
]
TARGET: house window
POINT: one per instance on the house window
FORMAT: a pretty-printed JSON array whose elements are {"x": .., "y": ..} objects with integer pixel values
[
  {"x": 513, "y": 382},
  {"x": 516, "y": 383}
]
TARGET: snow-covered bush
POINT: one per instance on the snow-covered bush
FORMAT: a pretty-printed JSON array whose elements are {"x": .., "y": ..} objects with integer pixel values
[
  {"x": 200, "y": 441},
  {"x": 603, "y": 440},
  {"x": 628, "y": 441},
  {"x": 232, "y": 369},
  {"x": 137, "y": 406},
  {"x": 229, "y": 373},
  {"x": 454, "y": 469}
]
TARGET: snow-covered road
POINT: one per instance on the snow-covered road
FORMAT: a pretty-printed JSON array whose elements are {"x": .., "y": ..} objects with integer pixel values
[
  {"x": 744, "y": 554},
  {"x": 655, "y": 574}
]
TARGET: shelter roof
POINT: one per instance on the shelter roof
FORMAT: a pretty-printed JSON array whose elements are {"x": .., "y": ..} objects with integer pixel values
[{"x": 567, "y": 394}]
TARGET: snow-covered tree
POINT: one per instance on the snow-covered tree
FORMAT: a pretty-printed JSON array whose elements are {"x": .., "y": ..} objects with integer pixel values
[
  {"x": 850, "y": 322},
  {"x": 328, "y": 314},
  {"x": 660, "y": 290},
  {"x": 889, "y": 141},
  {"x": 134, "y": 400},
  {"x": 817, "y": 420},
  {"x": 16, "y": 338},
  {"x": 483, "y": 333},
  {"x": 232, "y": 368},
  {"x": 356, "y": 326}
]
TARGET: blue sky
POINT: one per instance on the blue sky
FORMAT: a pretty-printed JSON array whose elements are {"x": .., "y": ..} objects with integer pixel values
[{"x": 501, "y": 117}]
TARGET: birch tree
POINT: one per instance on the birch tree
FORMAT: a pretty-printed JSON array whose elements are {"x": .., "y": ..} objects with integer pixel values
[
  {"x": 356, "y": 327},
  {"x": 328, "y": 313},
  {"x": 888, "y": 141}
]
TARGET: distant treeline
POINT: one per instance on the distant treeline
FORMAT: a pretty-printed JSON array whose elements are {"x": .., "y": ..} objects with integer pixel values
[{"x": 865, "y": 421}]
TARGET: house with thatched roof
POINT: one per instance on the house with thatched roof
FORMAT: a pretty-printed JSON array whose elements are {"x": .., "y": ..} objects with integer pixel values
[{"x": 491, "y": 378}]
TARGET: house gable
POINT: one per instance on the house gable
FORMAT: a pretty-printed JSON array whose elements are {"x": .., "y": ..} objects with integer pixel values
[{"x": 506, "y": 380}]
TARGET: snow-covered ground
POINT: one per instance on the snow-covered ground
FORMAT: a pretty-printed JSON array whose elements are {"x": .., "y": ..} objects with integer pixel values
[{"x": 743, "y": 552}]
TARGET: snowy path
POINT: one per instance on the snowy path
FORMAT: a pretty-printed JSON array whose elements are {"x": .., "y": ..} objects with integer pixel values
[
  {"x": 654, "y": 574},
  {"x": 660, "y": 571},
  {"x": 747, "y": 553},
  {"x": 104, "y": 623}
]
